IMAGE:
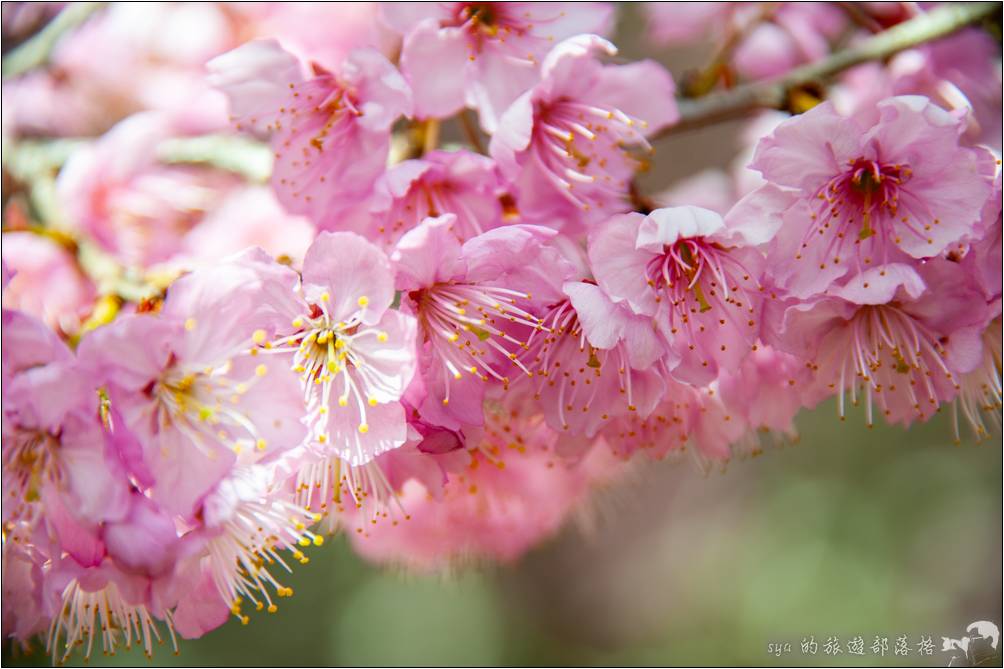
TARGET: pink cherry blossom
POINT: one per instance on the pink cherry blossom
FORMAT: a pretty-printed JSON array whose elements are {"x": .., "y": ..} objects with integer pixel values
[
  {"x": 767, "y": 390},
  {"x": 24, "y": 614},
  {"x": 126, "y": 59},
  {"x": 248, "y": 216},
  {"x": 322, "y": 32},
  {"x": 562, "y": 143},
  {"x": 47, "y": 281},
  {"x": 56, "y": 454},
  {"x": 103, "y": 601},
  {"x": 852, "y": 196},
  {"x": 511, "y": 493},
  {"x": 483, "y": 54},
  {"x": 188, "y": 385},
  {"x": 595, "y": 361},
  {"x": 980, "y": 396},
  {"x": 696, "y": 275},
  {"x": 475, "y": 309},
  {"x": 893, "y": 336},
  {"x": 330, "y": 131},
  {"x": 354, "y": 356},
  {"x": 137, "y": 208},
  {"x": 248, "y": 518},
  {"x": 461, "y": 183},
  {"x": 663, "y": 432}
]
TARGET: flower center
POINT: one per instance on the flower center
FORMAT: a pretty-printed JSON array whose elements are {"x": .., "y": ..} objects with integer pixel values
[
  {"x": 429, "y": 199},
  {"x": 571, "y": 371},
  {"x": 464, "y": 324},
  {"x": 205, "y": 406},
  {"x": 581, "y": 149},
  {"x": 326, "y": 355},
  {"x": 857, "y": 205},
  {"x": 698, "y": 277},
  {"x": 486, "y": 22},
  {"x": 30, "y": 462}
]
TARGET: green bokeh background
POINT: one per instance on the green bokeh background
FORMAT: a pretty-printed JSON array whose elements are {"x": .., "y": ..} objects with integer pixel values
[{"x": 851, "y": 531}]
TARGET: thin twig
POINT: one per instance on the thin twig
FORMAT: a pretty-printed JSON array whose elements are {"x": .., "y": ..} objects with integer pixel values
[
  {"x": 36, "y": 51},
  {"x": 471, "y": 131},
  {"x": 774, "y": 93},
  {"x": 430, "y": 141}
]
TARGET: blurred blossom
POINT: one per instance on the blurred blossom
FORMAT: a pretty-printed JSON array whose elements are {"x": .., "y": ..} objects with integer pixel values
[{"x": 47, "y": 282}]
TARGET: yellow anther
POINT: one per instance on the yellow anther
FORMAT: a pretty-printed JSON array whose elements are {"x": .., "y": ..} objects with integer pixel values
[
  {"x": 260, "y": 444},
  {"x": 446, "y": 401},
  {"x": 363, "y": 428},
  {"x": 372, "y": 401},
  {"x": 332, "y": 366},
  {"x": 322, "y": 439},
  {"x": 343, "y": 401},
  {"x": 261, "y": 370},
  {"x": 318, "y": 540},
  {"x": 205, "y": 413},
  {"x": 458, "y": 376},
  {"x": 258, "y": 337},
  {"x": 317, "y": 517},
  {"x": 363, "y": 301},
  {"x": 245, "y": 620},
  {"x": 189, "y": 324},
  {"x": 272, "y": 608},
  {"x": 381, "y": 337},
  {"x": 325, "y": 297},
  {"x": 297, "y": 323},
  {"x": 304, "y": 541}
]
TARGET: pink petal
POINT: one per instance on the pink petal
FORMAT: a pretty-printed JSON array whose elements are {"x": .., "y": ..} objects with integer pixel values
[
  {"x": 434, "y": 60},
  {"x": 347, "y": 267}
]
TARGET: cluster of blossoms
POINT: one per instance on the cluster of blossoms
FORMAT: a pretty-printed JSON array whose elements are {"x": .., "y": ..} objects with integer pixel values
[{"x": 441, "y": 352}]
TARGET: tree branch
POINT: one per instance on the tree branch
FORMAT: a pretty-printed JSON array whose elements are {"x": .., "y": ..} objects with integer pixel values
[
  {"x": 774, "y": 93},
  {"x": 36, "y": 51}
]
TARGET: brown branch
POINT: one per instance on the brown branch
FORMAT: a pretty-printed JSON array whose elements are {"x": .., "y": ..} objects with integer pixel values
[
  {"x": 470, "y": 128},
  {"x": 774, "y": 93}
]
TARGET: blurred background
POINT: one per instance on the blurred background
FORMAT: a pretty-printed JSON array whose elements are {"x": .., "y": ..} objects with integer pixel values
[{"x": 851, "y": 531}]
